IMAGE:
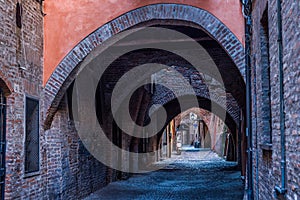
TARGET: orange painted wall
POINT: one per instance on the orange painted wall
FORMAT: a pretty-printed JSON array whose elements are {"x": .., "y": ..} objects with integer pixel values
[{"x": 69, "y": 21}]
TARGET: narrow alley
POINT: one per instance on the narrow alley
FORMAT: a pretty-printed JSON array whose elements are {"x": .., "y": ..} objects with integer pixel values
[
  {"x": 198, "y": 174},
  {"x": 153, "y": 99}
]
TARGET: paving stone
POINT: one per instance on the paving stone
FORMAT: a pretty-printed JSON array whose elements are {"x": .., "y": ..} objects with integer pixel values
[{"x": 191, "y": 175}]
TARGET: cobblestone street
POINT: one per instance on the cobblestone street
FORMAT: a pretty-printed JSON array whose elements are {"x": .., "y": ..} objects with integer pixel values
[{"x": 191, "y": 175}]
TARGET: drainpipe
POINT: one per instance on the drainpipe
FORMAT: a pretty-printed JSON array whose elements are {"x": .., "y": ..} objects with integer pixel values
[
  {"x": 247, "y": 9},
  {"x": 256, "y": 133},
  {"x": 281, "y": 189}
]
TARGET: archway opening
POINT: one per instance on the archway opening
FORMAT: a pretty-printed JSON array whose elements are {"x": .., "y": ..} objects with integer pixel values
[
  {"x": 152, "y": 101},
  {"x": 4, "y": 92},
  {"x": 153, "y": 95},
  {"x": 197, "y": 129}
]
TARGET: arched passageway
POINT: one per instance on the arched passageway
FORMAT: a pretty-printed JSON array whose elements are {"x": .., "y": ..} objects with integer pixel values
[
  {"x": 150, "y": 76},
  {"x": 89, "y": 91},
  {"x": 203, "y": 129}
]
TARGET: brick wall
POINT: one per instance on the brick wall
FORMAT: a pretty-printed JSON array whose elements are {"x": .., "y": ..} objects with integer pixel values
[
  {"x": 72, "y": 172},
  {"x": 262, "y": 158},
  {"x": 267, "y": 162},
  {"x": 67, "y": 170},
  {"x": 21, "y": 48},
  {"x": 291, "y": 43}
]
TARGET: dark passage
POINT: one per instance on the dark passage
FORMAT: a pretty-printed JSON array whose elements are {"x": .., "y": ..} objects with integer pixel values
[{"x": 191, "y": 175}]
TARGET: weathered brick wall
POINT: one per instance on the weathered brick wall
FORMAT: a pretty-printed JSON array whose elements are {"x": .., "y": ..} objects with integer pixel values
[
  {"x": 267, "y": 162},
  {"x": 67, "y": 170},
  {"x": 291, "y": 52},
  {"x": 21, "y": 48},
  {"x": 72, "y": 172},
  {"x": 262, "y": 159}
]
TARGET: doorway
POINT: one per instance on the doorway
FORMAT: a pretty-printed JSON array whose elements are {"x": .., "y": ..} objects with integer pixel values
[{"x": 2, "y": 142}]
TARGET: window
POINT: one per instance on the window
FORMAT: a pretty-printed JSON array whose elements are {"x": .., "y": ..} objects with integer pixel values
[
  {"x": 19, "y": 15},
  {"x": 100, "y": 101},
  {"x": 32, "y": 157},
  {"x": 265, "y": 79},
  {"x": 70, "y": 101}
]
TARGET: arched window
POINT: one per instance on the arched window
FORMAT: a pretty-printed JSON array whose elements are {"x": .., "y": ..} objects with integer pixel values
[{"x": 265, "y": 77}]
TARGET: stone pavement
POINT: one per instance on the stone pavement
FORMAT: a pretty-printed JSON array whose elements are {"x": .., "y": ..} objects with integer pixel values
[{"x": 191, "y": 175}]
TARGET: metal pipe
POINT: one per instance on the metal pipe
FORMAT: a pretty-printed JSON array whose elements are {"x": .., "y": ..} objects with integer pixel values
[
  {"x": 256, "y": 133},
  {"x": 248, "y": 110},
  {"x": 281, "y": 189},
  {"x": 240, "y": 143},
  {"x": 248, "y": 24}
]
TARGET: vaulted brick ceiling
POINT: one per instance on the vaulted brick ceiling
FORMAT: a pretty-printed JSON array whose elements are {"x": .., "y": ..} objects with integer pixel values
[{"x": 234, "y": 84}]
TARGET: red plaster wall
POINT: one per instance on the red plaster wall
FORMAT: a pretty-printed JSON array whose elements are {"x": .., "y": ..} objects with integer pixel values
[{"x": 68, "y": 21}]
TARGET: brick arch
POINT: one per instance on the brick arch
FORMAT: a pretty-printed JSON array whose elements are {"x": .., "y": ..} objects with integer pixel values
[
  {"x": 174, "y": 110},
  {"x": 204, "y": 104},
  {"x": 199, "y": 111},
  {"x": 227, "y": 103},
  {"x": 5, "y": 85},
  {"x": 63, "y": 75}
]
